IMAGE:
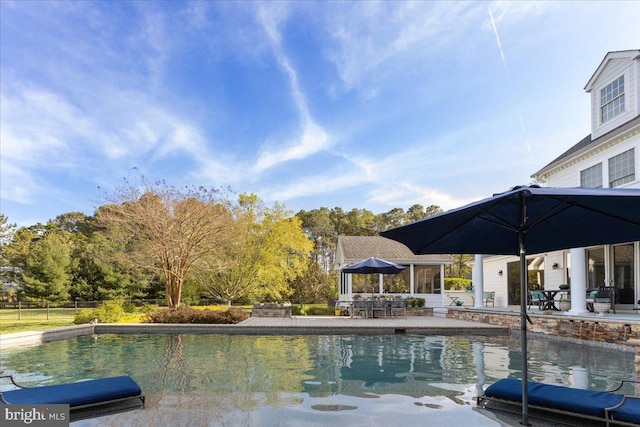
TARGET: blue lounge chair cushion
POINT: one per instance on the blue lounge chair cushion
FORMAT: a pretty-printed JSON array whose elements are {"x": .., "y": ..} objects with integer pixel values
[
  {"x": 76, "y": 394},
  {"x": 588, "y": 402}
]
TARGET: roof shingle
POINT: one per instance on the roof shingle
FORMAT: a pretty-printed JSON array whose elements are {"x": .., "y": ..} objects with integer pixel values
[{"x": 362, "y": 247}]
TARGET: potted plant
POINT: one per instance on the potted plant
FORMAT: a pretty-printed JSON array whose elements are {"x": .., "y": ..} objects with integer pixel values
[
  {"x": 564, "y": 304},
  {"x": 601, "y": 308}
]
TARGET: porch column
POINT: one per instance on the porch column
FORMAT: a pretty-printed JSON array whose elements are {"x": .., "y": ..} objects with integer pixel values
[
  {"x": 478, "y": 282},
  {"x": 578, "y": 281},
  {"x": 412, "y": 285},
  {"x": 442, "y": 291}
]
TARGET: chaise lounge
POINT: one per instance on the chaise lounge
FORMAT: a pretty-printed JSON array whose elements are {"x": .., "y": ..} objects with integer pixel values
[
  {"x": 86, "y": 399},
  {"x": 573, "y": 405}
]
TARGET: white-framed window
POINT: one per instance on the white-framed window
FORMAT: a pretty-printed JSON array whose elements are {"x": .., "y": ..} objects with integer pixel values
[
  {"x": 622, "y": 168},
  {"x": 591, "y": 177},
  {"x": 612, "y": 99}
]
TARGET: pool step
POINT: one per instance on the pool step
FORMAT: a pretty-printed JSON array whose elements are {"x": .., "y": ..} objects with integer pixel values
[{"x": 440, "y": 311}]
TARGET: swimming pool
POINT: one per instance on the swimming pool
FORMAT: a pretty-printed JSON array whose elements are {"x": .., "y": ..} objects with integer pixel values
[{"x": 312, "y": 379}]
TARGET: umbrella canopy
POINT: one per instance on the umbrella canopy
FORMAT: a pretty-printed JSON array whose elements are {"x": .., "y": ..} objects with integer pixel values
[
  {"x": 546, "y": 218},
  {"x": 374, "y": 265},
  {"x": 528, "y": 220}
]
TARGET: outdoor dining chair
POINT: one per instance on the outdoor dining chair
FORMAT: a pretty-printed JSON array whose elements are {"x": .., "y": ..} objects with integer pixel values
[
  {"x": 379, "y": 306},
  {"x": 398, "y": 306},
  {"x": 536, "y": 297}
]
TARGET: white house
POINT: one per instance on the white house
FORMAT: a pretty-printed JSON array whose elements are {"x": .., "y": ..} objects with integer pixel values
[
  {"x": 424, "y": 277},
  {"x": 605, "y": 158}
]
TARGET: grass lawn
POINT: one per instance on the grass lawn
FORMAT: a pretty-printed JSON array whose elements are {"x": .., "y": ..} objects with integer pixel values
[
  {"x": 11, "y": 326},
  {"x": 36, "y": 319}
]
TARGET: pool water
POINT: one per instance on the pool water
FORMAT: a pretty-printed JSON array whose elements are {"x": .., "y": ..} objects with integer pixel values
[{"x": 313, "y": 379}]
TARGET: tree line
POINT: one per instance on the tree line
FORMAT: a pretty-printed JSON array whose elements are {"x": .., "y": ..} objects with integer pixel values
[{"x": 152, "y": 240}]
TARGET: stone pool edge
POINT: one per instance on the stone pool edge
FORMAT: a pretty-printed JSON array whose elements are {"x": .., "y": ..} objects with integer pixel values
[{"x": 19, "y": 339}]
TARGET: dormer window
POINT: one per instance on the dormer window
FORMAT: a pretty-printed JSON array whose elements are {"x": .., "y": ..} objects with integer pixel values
[{"x": 612, "y": 99}]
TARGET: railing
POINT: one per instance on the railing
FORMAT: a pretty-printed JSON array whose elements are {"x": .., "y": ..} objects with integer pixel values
[
  {"x": 66, "y": 310},
  {"x": 49, "y": 310}
]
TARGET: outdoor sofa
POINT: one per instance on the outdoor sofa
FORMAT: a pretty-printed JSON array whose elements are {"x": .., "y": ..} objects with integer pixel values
[
  {"x": 553, "y": 402},
  {"x": 86, "y": 399}
]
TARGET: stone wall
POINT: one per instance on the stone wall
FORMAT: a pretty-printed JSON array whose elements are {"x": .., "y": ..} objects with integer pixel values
[
  {"x": 271, "y": 310},
  {"x": 596, "y": 329},
  {"x": 419, "y": 311}
]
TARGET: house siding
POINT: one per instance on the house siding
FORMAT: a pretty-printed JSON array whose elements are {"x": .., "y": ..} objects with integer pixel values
[
  {"x": 614, "y": 69},
  {"x": 607, "y": 140},
  {"x": 569, "y": 175}
]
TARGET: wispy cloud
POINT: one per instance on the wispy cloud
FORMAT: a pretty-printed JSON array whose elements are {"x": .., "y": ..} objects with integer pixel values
[
  {"x": 406, "y": 194},
  {"x": 310, "y": 137}
]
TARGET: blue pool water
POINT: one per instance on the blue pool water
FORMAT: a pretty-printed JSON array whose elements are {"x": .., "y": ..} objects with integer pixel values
[{"x": 257, "y": 380}]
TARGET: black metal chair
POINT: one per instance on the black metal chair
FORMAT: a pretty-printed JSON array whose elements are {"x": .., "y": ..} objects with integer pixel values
[{"x": 603, "y": 294}]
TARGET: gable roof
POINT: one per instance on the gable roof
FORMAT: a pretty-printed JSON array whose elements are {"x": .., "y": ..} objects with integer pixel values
[
  {"x": 351, "y": 249},
  {"x": 617, "y": 54}
]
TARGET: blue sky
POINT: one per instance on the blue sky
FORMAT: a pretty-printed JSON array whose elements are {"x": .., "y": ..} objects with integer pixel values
[{"x": 350, "y": 104}]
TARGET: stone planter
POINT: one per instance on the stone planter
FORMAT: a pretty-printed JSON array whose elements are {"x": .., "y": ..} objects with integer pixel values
[
  {"x": 601, "y": 308},
  {"x": 564, "y": 305}
]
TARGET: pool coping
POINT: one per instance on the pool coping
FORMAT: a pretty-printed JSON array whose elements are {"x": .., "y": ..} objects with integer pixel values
[
  {"x": 19, "y": 339},
  {"x": 307, "y": 325}
]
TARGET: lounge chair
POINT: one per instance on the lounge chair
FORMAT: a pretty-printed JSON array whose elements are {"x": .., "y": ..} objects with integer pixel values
[
  {"x": 553, "y": 402},
  {"x": 86, "y": 399}
]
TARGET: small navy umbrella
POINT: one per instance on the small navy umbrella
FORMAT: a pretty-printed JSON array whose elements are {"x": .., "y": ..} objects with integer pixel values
[{"x": 374, "y": 265}]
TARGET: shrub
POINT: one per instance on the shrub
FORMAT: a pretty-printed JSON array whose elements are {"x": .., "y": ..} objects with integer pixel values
[
  {"x": 415, "y": 302},
  {"x": 319, "y": 310},
  {"x": 186, "y": 314},
  {"x": 129, "y": 307},
  {"x": 107, "y": 312}
]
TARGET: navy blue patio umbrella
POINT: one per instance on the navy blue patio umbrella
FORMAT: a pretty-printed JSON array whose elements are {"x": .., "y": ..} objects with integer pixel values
[
  {"x": 527, "y": 220},
  {"x": 374, "y": 265}
]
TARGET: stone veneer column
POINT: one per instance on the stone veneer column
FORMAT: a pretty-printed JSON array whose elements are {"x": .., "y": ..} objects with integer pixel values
[
  {"x": 478, "y": 282},
  {"x": 578, "y": 281}
]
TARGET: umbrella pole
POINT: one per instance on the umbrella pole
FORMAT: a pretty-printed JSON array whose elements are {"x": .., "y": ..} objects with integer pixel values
[{"x": 523, "y": 332}]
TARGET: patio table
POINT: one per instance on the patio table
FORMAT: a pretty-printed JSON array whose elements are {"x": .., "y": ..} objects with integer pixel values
[{"x": 549, "y": 303}]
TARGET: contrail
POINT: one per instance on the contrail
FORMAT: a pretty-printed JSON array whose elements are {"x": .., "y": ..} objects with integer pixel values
[{"x": 504, "y": 62}]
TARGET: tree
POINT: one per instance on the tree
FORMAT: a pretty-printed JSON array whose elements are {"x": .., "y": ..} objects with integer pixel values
[
  {"x": 394, "y": 218},
  {"x": 75, "y": 222},
  {"x": 318, "y": 227},
  {"x": 7, "y": 230},
  {"x": 165, "y": 229},
  {"x": 460, "y": 267},
  {"x": 101, "y": 272},
  {"x": 417, "y": 212},
  {"x": 268, "y": 248},
  {"x": 45, "y": 275},
  {"x": 314, "y": 286}
]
